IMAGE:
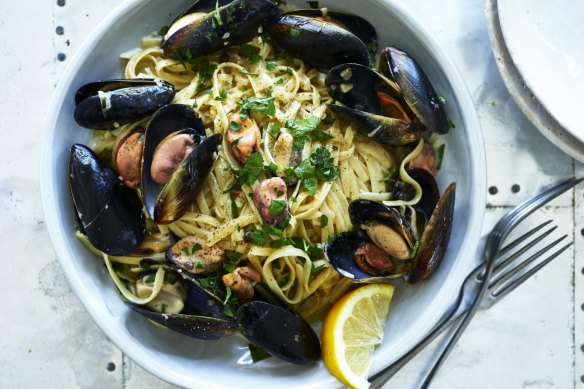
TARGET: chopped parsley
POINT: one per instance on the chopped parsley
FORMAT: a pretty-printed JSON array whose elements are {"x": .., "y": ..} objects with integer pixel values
[
  {"x": 234, "y": 209},
  {"x": 194, "y": 248},
  {"x": 274, "y": 131},
  {"x": 163, "y": 30},
  {"x": 234, "y": 126},
  {"x": 264, "y": 105},
  {"x": 391, "y": 175},
  {"x": 277, "y": 207},
  {"x": 302, "y": 128},
  {"x": 206, "y": 70},
  {"x": 271, "y": 65},
  {"x": 228, "y": 295},
  {"x": 258, "y": 237},
  {"x": 150, "y": 279},
  {"x": 324, "y": 220},
  {"x": 440, "y": 155},
  {"x": 450, "y": 123},
  {"x": 250, "y": 172},
  {"x": 314, "y": 271},
  {"x": 295, "y": 32},
  {"x": 222, "y": 96},
  {"x": 320, "y": 166},
  {"x": 257, "y": 354},
  {"x": 442, "y": 100},
  {"x": 246, "y": 73},
  {"x": 279, "y": 81}
]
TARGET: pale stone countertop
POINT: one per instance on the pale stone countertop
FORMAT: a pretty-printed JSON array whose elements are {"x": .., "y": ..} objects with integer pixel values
[{"x": 532, "y": 339}]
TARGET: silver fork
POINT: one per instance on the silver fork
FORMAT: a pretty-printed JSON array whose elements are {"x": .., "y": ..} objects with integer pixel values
[{"x": 479, "y": 281}]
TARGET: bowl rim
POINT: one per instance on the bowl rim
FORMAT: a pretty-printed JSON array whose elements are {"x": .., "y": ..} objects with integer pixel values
[{"x": 101, "y": 317}]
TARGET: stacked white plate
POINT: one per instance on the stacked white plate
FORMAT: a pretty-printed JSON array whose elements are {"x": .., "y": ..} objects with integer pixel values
[{"x": 539, "y": 48}]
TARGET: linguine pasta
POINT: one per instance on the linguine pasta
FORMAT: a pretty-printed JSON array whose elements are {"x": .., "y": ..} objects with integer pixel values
[{"x": 223, "y": 212}]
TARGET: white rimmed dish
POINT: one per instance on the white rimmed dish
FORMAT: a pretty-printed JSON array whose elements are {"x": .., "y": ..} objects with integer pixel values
[{"x": 193, "y": 363}]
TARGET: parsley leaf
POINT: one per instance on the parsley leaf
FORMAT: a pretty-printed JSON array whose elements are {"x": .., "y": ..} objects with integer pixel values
[
  {"x": 163, "y": 30},
  {"x": 440, "y": 155},
  {"x": 324, "y": 221},
  {"x": 247, "y": 50},
  {"x": 390, "y": 175},
  {"x": 301, "y": 128},
  {"x": 206, "y": 71},
  {"x": 271, "y": 65},
  {"x": 295, "y": 32},
  {"x": 277, "y": 207},
  {"x": 251, "y": 171},
  {"x": 264, "y": 105},
  {"x": 234, "y": 126},
  {"x": 257, "y": 354},
  {"x": 234, "y": 209},
  {"x": 324, "y": 164},
  {"x": 258, "y": 237},
  {"x": 274, "y": 131}
]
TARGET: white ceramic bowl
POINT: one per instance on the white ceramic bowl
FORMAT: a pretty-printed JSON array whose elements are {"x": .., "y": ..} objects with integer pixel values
[{"x": 193, "y": 363}]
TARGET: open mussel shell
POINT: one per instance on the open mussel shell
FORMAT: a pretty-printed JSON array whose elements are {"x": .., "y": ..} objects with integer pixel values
[
  {"x": 415, "y": 89},
  {"x": 430, "y": 192},
  {"x": 434, "y": 238},
  {"x": 363, "y": 211},
  {"x": 200, "y": 327},
  {"x": 167, "y": 203},
  {"x": 279, "y": 331},
  {"x": 326, "y": 40},
  {"x": 110, "y": 213},
  {"x": 368, "y": 105},
  {"x": 201, "y": 31},
  {"x": 340, "y": 253},
  {"x": 105, "y": 105}
]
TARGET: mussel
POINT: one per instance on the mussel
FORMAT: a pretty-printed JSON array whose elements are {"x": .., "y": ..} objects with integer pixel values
[
  {"x": 208, "y": 26},
  {"x": 383, "y": 249},
  {"x": 110, "y": 213},
  {"x": 369, "y": 105},
  {"x": 413, "y": 89},
  {"x": 106, "y": 105},
  {"x": 324, "y": 39},
  {"x": 176, "y": 161}
]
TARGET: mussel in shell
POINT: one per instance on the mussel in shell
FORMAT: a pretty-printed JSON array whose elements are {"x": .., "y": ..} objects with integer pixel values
[
  {"x": 325, "y": 39},
  {"x": 351, "y": 253},
  {"x": 369, "y": 106},
  {"x": 110, "y": 213},
  {"x": 106, "y": 105},
  {"x": 176, "y": 161},
  {"x": 413, "y": 89},
  {"x": 209, "y": 26}
]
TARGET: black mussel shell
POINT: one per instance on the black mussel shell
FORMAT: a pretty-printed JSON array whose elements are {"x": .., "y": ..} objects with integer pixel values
[
  {"x": 382, "y": 129},
  {"x": 415, "y": 89},
  {"x": 167, "y": 203},
  {"x": 279, "y": 331},
  {"x": 200, "y": 327},
  {"x": 110, "y": 213},
  {"x": 320, "y": 43},
  {"x": 230, "y": 23},
  {"x": 360, "y": 88},
  {"x": 264, "y": 293},
  {"x": 434, "y": 238},
  {"x": 362, "y": 211},
  {"x": 104, "y": 105},
  {"x": 430, "y": 192}
]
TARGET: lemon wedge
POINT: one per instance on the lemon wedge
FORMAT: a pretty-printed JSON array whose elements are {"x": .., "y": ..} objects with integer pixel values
[{"x": 351, "y": 331}]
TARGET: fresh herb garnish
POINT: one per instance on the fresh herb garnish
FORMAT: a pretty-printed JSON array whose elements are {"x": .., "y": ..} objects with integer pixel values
[
  {"x": 279, "y": 192},
  {"x": 314, "y": 270},
  {"x": 246, "y": 73},
  {"x": 279, "y": 81},
  {"x": 274, "y": 131},
  {"x": 264, "y": 105},
  {"x": 277, "y": 207},
  {"x": 442, "y": 100},
  {"x": 440, "y": 155},
  {"x": 222, "y": 96},
  {"x": 301, "y": 128},
  {"x": 206, "y": 71},
  {"x": 271, "y": 65},
  {"x": 247, "y": 50},
  {"x": 257, "y": 354},
  {"x": 234, "y": 209},
  {"x": 150, "y": 279},
  {"x": 258, "y": 237},
  {"x": 324, "y": 164},
  {"x": 390, "y": 175},
  {"x": 450, "y": 123},
  {"x": 163, "y": 308},
  {"x": 196, "y": 247},
  {"x": 251, "y": 170},
  {"x": 118, "y": 267},
  {"x": 234, "y": 126},
  {"x": 295, "y": 32},
  {"x": 228, "y": 295},
  {"x": 324, "y": 220},
  {"x": 163, "y": 30}
]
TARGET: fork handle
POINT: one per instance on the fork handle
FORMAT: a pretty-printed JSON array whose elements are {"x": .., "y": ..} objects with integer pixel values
[{"x": 384, "y": 375}]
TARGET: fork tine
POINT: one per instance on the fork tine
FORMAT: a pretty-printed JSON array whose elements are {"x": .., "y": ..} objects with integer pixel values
[
  {"x": 516, "y": 242},
  {"x": 480, "y": 272},
  {"x": 501, "y": 291},
  {"x": 501, "y": 265}
]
